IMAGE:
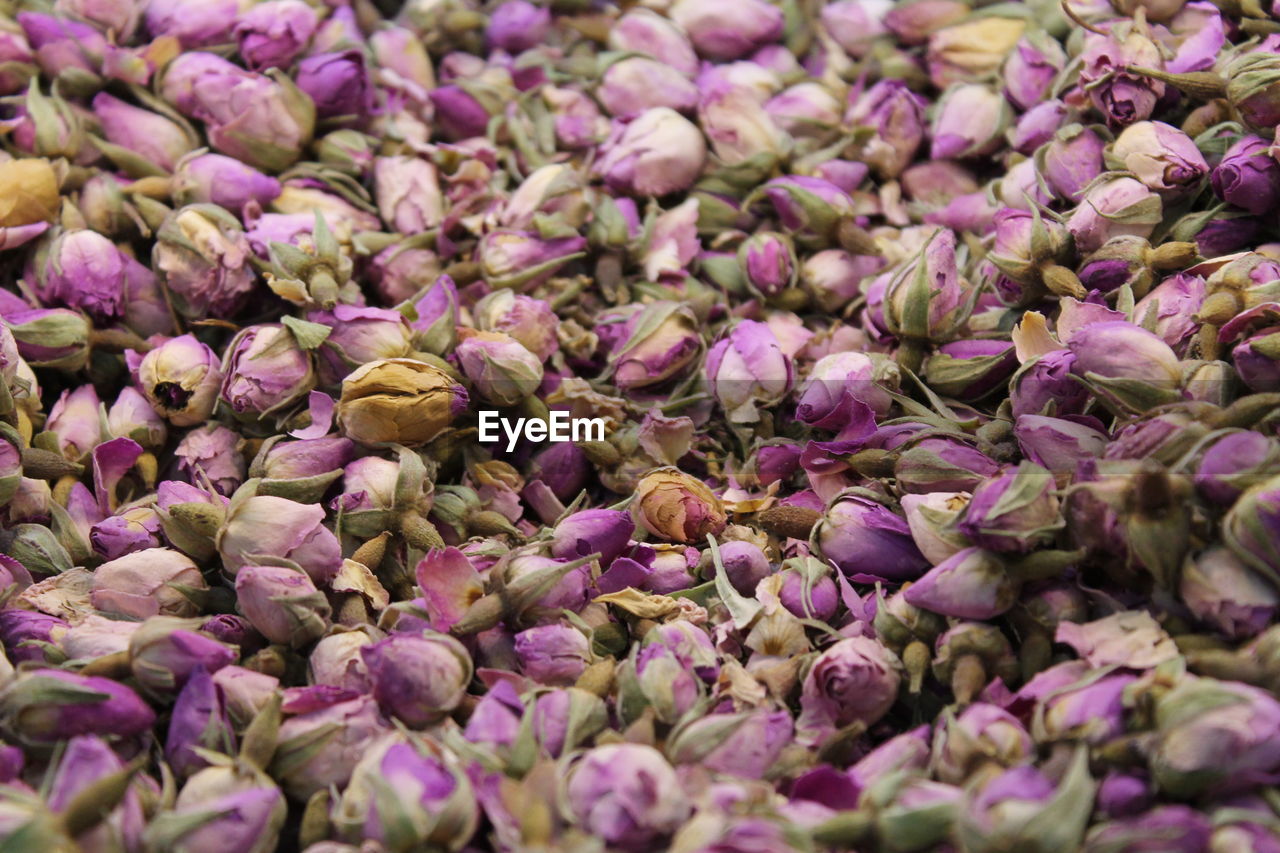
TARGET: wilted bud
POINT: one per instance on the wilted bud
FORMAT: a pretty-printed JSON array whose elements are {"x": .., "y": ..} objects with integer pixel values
[
  {"x": 526, "y": 319},
  {"x": 970, "y": 584},
  {"x": 1072, "y": 161},
  {"x": 650, "y": 344},
  {"x": 45, "y": 705},
  {"x": 206, "y": 261},
  {"x": 677, "y": 507},
  {"x": 180, "y": 379},
  {"x": 942, "y": 464},
  {"x": 211, "y": 451},
  {"x": 267, "y": 525},
  {"x": 165, "y": 651},
  {"x": 501, "y": 370},
  {"x": 511, "y": 258},
  {"x": 657, "y": 153},
  {"x": 408, "y": 193},
  {"x": 969, "y": 370},
  {"x": 272, "y": 34},
  {"x": 868, "y": 541},
  {"x": 199, "y": 721},
  {"x": 768, "y": 263},
  {"x": 1013, "y": 512},
  {"x": 754, "y": 24},
  {"x": 1127, "y": 362},
  {"x": 418, "y": 678},
  {"x": 1214, "y": 735},
  {"x": 981, "y": 733},
  {"x": 1121, "y": 95},
  {"x": 896, "y": 114},
  {"x": 408, "y": 792},
  {"x": 398, "y": 400},
  {"x": 1226, "y": 594},
  {"x": 748, "y": 368},
  {"x": 137, "y": 135},
  {"x": 154, "y": 581},
  {"x": 265, "y": 371},
  {"x": 970, "y": 122},
  {"x": 626, "y": 794},
  {"x": 1163, "y": 157},
  {"x": 553, "y": 655},
  {"x": 854, "y": 681},
  {"x": 1248, "y": 176},
  {"x": 809, "y": 209},
  {"x": 1113, "y": 207},
  {"x": 218, "y": 806},
  {"x": 282, "y": 604}
]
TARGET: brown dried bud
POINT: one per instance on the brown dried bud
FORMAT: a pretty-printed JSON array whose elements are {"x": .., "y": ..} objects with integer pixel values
[{"x": 398, "y": 400}]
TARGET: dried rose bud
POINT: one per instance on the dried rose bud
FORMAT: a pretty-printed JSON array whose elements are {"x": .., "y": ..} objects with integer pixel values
[
  {"x": 398, "y": 400},
  {"x": 282, "y": 604},
  {"x": 626, "y": 794},
  {"x": 206, "y": 261},
  {"x": 265, "y": 371},
  {"x": 418, "y": 678},
  {"x": 150, "y": 582},
  {"x": 501, "y": 370},
  {"x": 854, "y": 681},
  {"x": 265, "y": 525},
  {"x": 677, "y": 507},
  {"x": 868, "y": 542},
  {"x": 656, "y": 153},
  {"x": 272, "y": 34},
  {"x": 180, "y": 379}
]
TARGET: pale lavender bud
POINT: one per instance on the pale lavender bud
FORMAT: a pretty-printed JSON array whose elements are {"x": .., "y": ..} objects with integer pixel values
[
  {"x": 150, "y": 582},
  {"x": 418, "y": 678},
  {"x": 274, "y": 33},
  {"x": 212, "y": 452},
  {"x": 282, "y": 604},
  {"x": 856, "y": 680}
]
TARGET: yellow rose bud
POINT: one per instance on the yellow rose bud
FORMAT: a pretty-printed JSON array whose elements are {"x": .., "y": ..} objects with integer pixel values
[
  {"x": 28, "y": 192},
  {"x": 677, "y": 507},
  {"x": 398, "y": 400}
]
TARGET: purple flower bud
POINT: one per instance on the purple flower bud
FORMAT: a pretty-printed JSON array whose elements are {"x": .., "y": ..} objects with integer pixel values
[
  {"x": 206, "y": 261},
  {"x": 854, "y": 24},
  {"x": 1121, "y": 350},
  {"x": 1256, "y": 360},
  {"x": 297, "y": 460},
  {"x": 1163, "y": 157},
  {"x": 199, "y": 720},
  {"x": 868, "y": 542},
  {"x": 85, "y": 270},
  {"x": 855, "y": 680},
  {"x": 1031, "y": 68},
  {"x": 75, "y": 422},
  {"x": 1059, "y": 444},
  {"x": 564, "y": 468},
  {"x": 151, "y": 136},
  {"x": 1013, "y": 512},
  {"x": 500, "y": 369},
  {"x": 808, "y": 208},
  {"x": 970, "y": 122},
  {"x": 265, "y": 371},
  {"x": 643, "y": 30},
  {"x": 931, "y": 279},
  {"x": 163, "y": 653},
  {"x": 147, "y": 583},
  {"x": 745, "y": 745},
  {"x": 337, "y": 659},
  {"x": 510, "y": 258},
  {"x": 526, "y": 319},
  {"x": 1072, "y": 160},
  {"x": 517, "y": 26},
  {"x": 1121, "y": 794},
  {"x": 748, "y": 368},
  {"x": 896, "y": 114},
  {"x": 554, "y": 655},
  {"x": 817, "y": 600},
  {"x": 1176, "y": 829},
  {"x": 1130, "y": 638},
  {"x": 224, "y": 181},
  {"x": 408, "y": 193},
  {"x": 745, "y": 565},
  {"x": 970, "y": 584},
  {"x": 650, "y": 344},
  {"x": 274, "y": 33},
  {"x": 833, "y": 277},
  {"x": 768, "y": 261},
  {"x": 211, "y": 452},
  {"x": 1046, "y": 385},
  {"x": 635, "y": 84},
  {"x": 194, "y": 23},
  {"x": 846, "y": 390},
  {"x": 1214, "y": 735},
  {"x": 269, "y": 525},
  {"x": 1227, "y": 595},
  {"x": 1233, "y": 463},
  {"x": 1248, "y": 176},
  {"x": 656, "y": 153},
  {"x": 282, "y": 604},
  {"x": 359, "y": 335},
  {"x": 980, "y": 733},
  {"x": 321, "y": 747},
  {"x": 942, "y": 464},
  {"x": 754, "y": 23},
  {"x": 1092, "y": 710},
  {"x": 626, "y": 794},
  {"x": 1037, "y": 126},
  {"x": 1111, "y": 208},
  {"x": 45, "y": 705},
  {"x": 407, "y": 792},
  {"x": 61, "y": 44},
  {"x": 338, "y": 83},
  {"x": 1122, "y": 96},
  {"x": 222, "y": 805},
  {"x": 88, "y": 759},
  {"x": 418, "y": 678},
  {"x": 588, "y": 531},
  {"x": 180, "y": 379},
  {"x": 25, "y": 633}
]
